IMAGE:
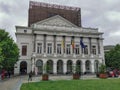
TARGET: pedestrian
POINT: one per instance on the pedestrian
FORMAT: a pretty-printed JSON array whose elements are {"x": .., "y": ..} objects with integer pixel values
[
  {"x": 9, "y": 74},
  {"x": 3, "y": 75},
  {"x": 30, "y": 76}
]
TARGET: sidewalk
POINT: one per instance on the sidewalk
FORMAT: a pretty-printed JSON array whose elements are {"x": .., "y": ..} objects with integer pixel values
[
  {"x": 59, "y": 77},
  {"x": 11, "y": 83},
  {"x": 15, "y": 83}
]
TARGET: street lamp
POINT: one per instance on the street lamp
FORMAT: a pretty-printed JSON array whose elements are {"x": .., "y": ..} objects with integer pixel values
[{"x": 33, "y": 60}]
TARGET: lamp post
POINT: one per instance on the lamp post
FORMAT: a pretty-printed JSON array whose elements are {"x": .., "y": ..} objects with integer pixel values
[{"x": 33, "y": 62}]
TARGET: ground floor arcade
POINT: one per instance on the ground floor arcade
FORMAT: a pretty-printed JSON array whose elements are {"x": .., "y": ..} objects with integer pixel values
[{"x": 60, "y": 66}]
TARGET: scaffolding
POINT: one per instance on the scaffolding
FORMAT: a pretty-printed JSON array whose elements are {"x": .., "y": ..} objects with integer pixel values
[{"x": 41, "y": 4}]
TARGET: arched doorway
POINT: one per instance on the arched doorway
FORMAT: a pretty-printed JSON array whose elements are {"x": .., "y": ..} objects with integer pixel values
[
  {"x": 23, "y": 67},
  {"x": 59, "y": 67},
  {"x": 78, "y": 66},
  {"x": 39, "y": 65},
  {"x": 69, "y": 67},
  {"x": 96, "y": 66},
  {"x": 88, "y": 66},
  {"x": 50, "y": 66}
]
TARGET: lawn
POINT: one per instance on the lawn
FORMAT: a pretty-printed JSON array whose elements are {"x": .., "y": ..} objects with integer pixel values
[{"x": 97, "y": 84}]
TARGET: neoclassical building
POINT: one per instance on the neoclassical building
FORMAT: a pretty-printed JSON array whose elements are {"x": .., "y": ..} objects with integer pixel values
[{"x": 60, "y": 44}]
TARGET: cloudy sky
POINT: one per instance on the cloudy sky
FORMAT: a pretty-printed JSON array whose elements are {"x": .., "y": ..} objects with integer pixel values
[{"x": 102, "y": 14}]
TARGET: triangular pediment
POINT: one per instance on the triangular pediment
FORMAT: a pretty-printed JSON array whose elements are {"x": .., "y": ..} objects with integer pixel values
[{"x": 56, "y": 21}]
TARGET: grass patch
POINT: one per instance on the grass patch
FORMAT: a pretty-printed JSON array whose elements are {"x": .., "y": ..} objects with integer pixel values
[{"x": 100, "y": 84}]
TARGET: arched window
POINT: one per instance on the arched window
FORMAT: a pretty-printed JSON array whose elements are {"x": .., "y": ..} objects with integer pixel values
[
  {"x": 60, "y": 67},
  {"x": 88, "y": 66},
  {"x": 39, "y": 65},
  {"x": 69, "y": 66},
  {"x": 78, "y": 66},
  {"x": 50, "y": 66}
]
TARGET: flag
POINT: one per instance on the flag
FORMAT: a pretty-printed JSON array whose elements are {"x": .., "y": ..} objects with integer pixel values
[
  {"x": 82, "y": 44},
  {"x": 72, "y": 43}
]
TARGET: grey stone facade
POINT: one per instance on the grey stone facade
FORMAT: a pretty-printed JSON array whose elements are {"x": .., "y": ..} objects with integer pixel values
[{"x": 44, "y": 41}]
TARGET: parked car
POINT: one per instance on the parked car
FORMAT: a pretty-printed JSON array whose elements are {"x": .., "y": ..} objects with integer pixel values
[{"x": 113, "y": 72}]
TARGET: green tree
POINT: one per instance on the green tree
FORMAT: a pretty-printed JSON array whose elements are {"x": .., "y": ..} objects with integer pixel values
[
  {"x": 9, "y": 52},
  {"x": 1, "y": 56},
  {"x": 112, "y": 57}
]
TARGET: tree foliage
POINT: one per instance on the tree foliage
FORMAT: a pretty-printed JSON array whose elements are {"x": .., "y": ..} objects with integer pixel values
[
  {"x": 1, "y": 56},
  {"x": 9, "y": 51},
  {"x": 112, "y": 57},
  {"x": 102, "y": 69}
]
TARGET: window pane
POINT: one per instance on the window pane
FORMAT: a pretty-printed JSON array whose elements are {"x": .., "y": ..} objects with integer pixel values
[
  {"x": 94, "y": 50},
  {"x": 39, "y": 48},
  {"x": 77, "y": 49},
  {"x": 49, "y": 48},
  {"x": 68, "y": 49},
  {"x": 24, "y": 50},
  {"x": 58, "y": 48}
]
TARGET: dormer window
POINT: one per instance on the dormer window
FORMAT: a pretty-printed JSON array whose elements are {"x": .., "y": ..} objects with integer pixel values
[{"x": 25, "y": 31}]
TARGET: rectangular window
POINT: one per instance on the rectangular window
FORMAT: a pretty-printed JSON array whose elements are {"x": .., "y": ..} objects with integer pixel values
[
  {"x": 68, "y": 49},
  {"x": 39, "y": 48},
  {"x": 49, "y": 48},
  {"x": 86, "y": 50},
  {"x": 77, "y": 51},
  {"x": 24, "y": 50},
  {"x": 94, "y": 50},
  {"x": 58, "y": 48}
]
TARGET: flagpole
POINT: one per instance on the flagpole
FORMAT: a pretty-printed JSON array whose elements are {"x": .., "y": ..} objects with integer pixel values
[{"x": 83, "y": 52}]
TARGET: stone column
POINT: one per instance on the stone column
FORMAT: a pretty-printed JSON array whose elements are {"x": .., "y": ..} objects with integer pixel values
[
  {"x": 74, "y": 66},
  {"x": 72, "y": 43},
  {"x": 54, "y": 46},
  {"x": 83, "y": 67},
  {"x": 33, "y": 64},
  {"x": 44, "y": 63},
  {"x": 64, "y": 52},
  {"x": 92, "y": 66},
  {"x": 34, "y": 42},
  {"x": 55, "y": 67},
  {"x": 98, "y": 42},
  {"x": 44, "y": 41},
  {"x": 90, "y": 48},
  {"x": 64, "y": 67}
]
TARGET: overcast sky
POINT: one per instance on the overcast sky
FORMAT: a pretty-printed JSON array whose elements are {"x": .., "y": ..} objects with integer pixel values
[{"x": 101, "y": 14}]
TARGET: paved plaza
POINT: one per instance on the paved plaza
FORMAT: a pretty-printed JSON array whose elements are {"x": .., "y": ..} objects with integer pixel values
[{"x": 15, "y": 83}]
